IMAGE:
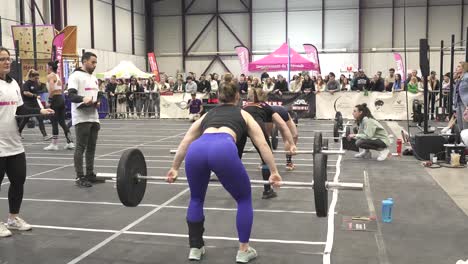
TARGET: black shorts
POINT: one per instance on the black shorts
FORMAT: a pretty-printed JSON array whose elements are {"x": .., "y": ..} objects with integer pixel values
[{"x": 282, "y": 111}]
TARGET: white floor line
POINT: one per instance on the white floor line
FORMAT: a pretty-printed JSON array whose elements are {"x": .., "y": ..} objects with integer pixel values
[
  {"x": 158, "y": 205},
  {"x": 119, "y": 232},
  {"x": 331, "y": 218},
  {"x": 128, "y": 227},
  {"x": 177, "y": 183},
  {"x": 382, "y": 252}
]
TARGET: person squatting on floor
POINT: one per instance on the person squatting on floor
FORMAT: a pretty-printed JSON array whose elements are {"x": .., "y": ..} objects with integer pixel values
[
  {"x": 213, "y": 144},
  {"x": 31, "y": 99},
  {"x": 83, "y": 93},
  {"x": 283, "y": 112},
  {"x": 263, "y": 114},
  {"x": 12, "y": 156},
  {"x": 195, "y": 108},
  {"x": 371, "y": 134},
  {"x": 57, "y": 103}
]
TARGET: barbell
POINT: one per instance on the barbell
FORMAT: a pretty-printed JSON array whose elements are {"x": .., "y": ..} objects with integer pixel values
[{"x": 131, "y": 179}]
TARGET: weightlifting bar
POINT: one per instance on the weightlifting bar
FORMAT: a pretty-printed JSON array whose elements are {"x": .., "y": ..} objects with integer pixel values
[
  {"x": 299, "y": 152},
  {"x": 328, "y": 185}
]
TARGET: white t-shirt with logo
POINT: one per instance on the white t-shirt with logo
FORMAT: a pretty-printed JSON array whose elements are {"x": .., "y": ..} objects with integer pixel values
[
  {"x": 87, "y": 86},
  {"x": 10, "y": 99}
]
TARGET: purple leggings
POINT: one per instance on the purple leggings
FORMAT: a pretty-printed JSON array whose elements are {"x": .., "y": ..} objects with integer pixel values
[{"x": 217, "y": 152}]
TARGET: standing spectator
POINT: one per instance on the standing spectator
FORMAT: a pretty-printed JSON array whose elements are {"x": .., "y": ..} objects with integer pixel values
[
  {"x": 361, "y": 82},
  {"x": 190, "y": 86},
  {"x": 333, "y": 85},
  {"x": 180, "y": 86},
  {"x": 281, "y": 86},
  {"x": 264, "y": 75},
  {"x": 446, "y": 89},
  {"x": 296, "y": 85},
  {"x": 307, "y": 84},
  {"x": 83, "y": 93},
  {"x": 414, "y": 73},
  {"x": 110, "y": 90},
  {"x": 195, "y": 108},
  {"x": 433, "y": 87},
  {"x": 31, "y": 99},
  {"x": 320, "y": 85},
  {"x": 243, "y": 87},
  {"x": 268, "y": 86},
  {"x": 390, "y": 80},
  {"x": 171, "y": 85},
  {"x": 138, "y": 96},
  {"x": 344, "y": 85},
  {"x": 397, "y": 84},
  {"x": 414, "y": 85},
  {"x": 256, "y": 83},
  {"x": 377, "y": 84},
  {"x": 121, "y": 93},
  {"x": 203, "y": 84}
]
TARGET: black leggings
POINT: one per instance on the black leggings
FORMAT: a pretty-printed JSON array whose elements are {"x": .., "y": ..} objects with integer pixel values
[
  {"x": 375, "y": 144},
  {"x": 40, "y": 120},
  {"x": 15, "y": 168},
  {"x": 58, "y": 105}
]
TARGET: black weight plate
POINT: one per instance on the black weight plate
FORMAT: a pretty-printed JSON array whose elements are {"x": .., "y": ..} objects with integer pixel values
[
  {"x": 336, "y": 134},
  {"x": 320, "y": 190},
  {"x": 317, "y": 142},
  {"x": 338, "y": 115},
  {"x": 130, "y": 189},
  {"x": 274, "y": 138}
]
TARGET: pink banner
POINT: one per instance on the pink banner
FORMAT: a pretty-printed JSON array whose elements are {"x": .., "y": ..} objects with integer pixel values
[
  {"x": 58, "y": 44},
  {"x": 243, "y": 54},
  {"x": 400, "y": 66},
  {"x": 154, "y": 65},
  {"x": 312, "y": 54}
]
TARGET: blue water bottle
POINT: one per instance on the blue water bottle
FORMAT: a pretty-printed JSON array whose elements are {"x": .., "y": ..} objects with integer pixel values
[{"x": 387, "y": 206}]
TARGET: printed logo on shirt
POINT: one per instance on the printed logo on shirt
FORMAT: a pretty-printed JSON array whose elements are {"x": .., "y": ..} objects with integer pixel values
[{"x": 7, "y": 103}]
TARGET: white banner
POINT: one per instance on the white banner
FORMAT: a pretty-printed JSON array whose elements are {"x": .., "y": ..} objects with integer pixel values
[
  {"x": 383, "y": 105},
  {"x": 172, "y": 106}
]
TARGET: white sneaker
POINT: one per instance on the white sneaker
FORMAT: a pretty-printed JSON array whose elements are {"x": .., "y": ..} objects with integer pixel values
[
  {"x": 365, "y": 154},
  {"x": 383, "y": 154},
  {"x": 18, "y": 224},
  {"x": 4, "y": 232},
  {"x": 196, "y": 253},
  {"x": 246, "y": 256},
  {"x": 69, "y": 146},
  {"x": 52, "y": 147}
]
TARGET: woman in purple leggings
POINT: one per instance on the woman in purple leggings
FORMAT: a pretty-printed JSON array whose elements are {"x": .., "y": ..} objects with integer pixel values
[{"x": 212, "y": 144}]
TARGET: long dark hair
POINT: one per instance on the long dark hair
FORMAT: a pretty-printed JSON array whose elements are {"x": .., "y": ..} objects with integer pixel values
[
  {"x": 365, "y": 112},
  {"x": 53, "y": 65}
]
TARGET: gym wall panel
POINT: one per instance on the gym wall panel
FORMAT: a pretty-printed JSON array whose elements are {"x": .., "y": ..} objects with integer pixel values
[
  {"x": 341, "y": 29},
  {"x": 78, "y": 15},
  {"x": 164, "y": 8},
  {"x": 268, "y": 30},
  {"x": 443, "y": 22},
  {"x": 415, "y": 26},
  {"x": 305, "y": 27},
  {"x": 233, "y": 5},
  {"x": 304, "y": 5},
  {"x": 268, "y": 6},
  {"x": 170, "y": 65},
  {"x": 102, "y": 25},
  {"x": 340, "y": 4},
  {"x": 125, "y": 4},
  {"x": 201, "y": 6},
  {"x": 139, "y": 6},
  {"x": 376, "y": 4},
  {"x": 123, "y": 31},
  {"x": 239, "y": 24},
  {"x": 168, "y": 34},
  {"x": 207, "y": 41},
  {"x": 413, "y": 3},
  {"x": 139, "y": 34},
  {"x": 198, "y": 65},
  {"x": 445, "y": 2},
  {"x": 377, "y": 28}
]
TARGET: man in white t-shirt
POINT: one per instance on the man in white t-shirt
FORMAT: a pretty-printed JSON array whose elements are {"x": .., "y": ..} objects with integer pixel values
[
  {"x": 12, "y": 156},
  {"x": 83, "y": 91}
]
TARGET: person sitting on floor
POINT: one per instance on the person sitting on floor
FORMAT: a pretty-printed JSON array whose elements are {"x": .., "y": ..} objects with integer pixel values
[
  {"x": 371, "y": 134},
  {"x": 195, "y": 108}
]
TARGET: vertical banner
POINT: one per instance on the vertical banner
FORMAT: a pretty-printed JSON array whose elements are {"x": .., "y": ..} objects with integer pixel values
[
  {"x": 312, "y": 54},
  {"x": 154, "y": 65},
  {"x": 243, "y": 54},
  {"x": 58, "y": 44},
  {"x": 400, "y": 66}
]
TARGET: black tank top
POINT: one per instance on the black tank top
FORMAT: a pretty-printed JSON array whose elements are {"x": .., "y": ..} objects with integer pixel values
[{"x": 228, "y": 116}]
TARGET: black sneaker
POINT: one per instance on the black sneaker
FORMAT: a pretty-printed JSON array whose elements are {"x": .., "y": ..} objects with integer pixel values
[
  {"x": 82, "y": 182},
  {"x": 269, "y": 194},
  {"x": 92, "y": 178}
]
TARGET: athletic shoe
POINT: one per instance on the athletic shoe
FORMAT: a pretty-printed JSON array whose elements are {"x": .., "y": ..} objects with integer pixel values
[
  {"x": 4, "y": 232},
  {"x": 18, "y": 224},
  {"x": 383, "y": 154},
  {"x": 246, "y": 256},
  {"x": 52, "y": 147},
  {"x": 92, "y": 179},
  {"x": 290, "y": 166},
  {"x": 46, "y": 138},
  {"x": 196, "y": 253},
  {"x": 82, "y": 182},
  {"x": 69, "y": 146},
  {"x": 365, "y": 154},
  {"x": 269, "y": 194}
]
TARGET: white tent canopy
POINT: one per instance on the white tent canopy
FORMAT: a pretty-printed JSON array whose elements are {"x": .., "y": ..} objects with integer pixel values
[{"x": 125, "y": 69}]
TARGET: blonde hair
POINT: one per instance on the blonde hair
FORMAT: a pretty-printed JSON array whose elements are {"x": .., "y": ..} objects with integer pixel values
[
  {"x": 464, "y": 65},
  {"x": 257, "y": 95},
  {"x": 32, "y": 73}
]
